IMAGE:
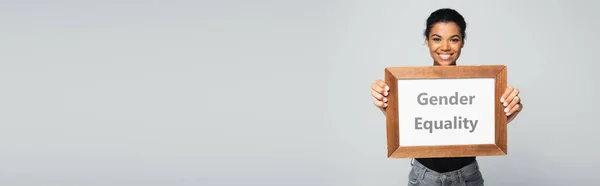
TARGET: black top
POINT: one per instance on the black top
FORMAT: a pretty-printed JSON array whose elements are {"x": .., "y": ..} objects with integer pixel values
[{"x": 442, "y": 165}]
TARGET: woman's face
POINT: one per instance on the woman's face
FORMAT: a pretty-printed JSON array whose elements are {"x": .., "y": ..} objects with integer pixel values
[{"x": 445, "y": 42}]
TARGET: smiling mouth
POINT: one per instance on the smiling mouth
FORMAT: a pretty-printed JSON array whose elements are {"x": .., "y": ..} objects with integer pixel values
[{"x": 445, "y": 56}]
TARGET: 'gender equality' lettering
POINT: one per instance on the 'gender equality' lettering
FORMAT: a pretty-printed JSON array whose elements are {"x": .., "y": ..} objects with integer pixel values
[{"x": 458, "y": 122}]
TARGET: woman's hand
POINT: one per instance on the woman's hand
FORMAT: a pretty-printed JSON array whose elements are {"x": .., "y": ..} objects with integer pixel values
[
  {"x": 380, "y": 92},
  {"x": 512, "y": 103}
]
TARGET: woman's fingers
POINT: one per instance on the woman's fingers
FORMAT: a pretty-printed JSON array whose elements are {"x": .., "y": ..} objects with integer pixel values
[
  {"x": 511, "y": 96},
  {"x": 383, "y": 86},
  {"x": 512, "y": 103},
  {"x": 507, "y": 92},
  {"x": 379, "y": 89},
  {"x": 379, "y": 92},
  {"x": 516, "y": 108},
  {"x": 378, "y": 96},
  {"x": 380, "y": 103}
]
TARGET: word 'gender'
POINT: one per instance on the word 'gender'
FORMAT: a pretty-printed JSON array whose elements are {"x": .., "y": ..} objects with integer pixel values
[{"x": 423, "y": 99}]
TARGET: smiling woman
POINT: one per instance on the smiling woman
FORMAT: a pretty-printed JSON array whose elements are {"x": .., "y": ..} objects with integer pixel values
[{"x": 445, "y": 37}]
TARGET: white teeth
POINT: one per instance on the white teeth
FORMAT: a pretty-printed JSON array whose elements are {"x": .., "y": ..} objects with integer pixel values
[{"x": 445, "y": 56}]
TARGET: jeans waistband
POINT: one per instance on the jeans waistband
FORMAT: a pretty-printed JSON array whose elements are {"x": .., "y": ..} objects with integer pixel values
[{"x": 459, "y": 174}]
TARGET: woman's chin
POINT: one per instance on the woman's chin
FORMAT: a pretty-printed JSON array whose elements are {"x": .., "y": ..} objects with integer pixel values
[{"x": 445, "y": 62}]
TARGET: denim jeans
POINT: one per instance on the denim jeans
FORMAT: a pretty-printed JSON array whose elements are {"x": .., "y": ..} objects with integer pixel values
[{"x": 467, "y": 176}]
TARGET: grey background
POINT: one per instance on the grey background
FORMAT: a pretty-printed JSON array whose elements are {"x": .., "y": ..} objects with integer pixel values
[{"x": 272, "y": 92}]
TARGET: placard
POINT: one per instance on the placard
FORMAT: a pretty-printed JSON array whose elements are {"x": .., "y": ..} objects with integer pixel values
[{"x": 446, "y": 111}]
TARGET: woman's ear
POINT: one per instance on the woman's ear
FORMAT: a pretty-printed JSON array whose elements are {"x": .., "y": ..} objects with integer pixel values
[{"x": 427, "y": 42}]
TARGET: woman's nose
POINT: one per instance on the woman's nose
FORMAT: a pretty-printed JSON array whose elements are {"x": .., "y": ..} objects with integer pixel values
[{"x": 445, "y": 46}]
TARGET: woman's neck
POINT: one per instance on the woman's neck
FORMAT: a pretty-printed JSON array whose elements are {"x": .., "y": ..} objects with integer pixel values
[{"x": 437, "y": 64}]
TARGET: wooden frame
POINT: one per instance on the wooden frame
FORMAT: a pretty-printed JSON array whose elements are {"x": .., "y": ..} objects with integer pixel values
[{"x": 393, "y": 74}]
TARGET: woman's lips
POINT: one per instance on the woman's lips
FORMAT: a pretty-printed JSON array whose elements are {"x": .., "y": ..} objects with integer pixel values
[{"x": 445, "y": 56}]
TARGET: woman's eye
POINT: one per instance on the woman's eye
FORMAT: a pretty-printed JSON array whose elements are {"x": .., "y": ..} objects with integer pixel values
[{"x": 436, "y": 39}]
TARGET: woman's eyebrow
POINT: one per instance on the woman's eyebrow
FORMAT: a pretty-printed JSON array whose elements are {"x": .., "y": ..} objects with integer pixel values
[{"x": 432, "y": 35}]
